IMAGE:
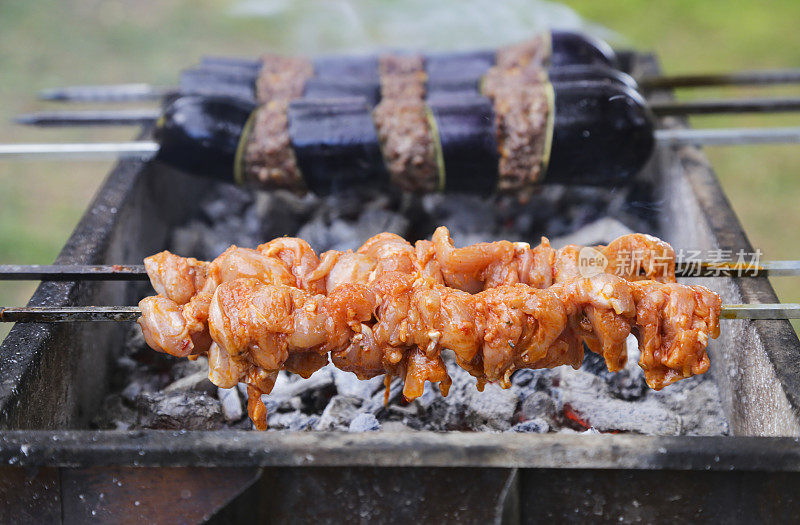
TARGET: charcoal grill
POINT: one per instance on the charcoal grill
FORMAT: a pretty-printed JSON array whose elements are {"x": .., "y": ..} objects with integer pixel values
[{"x": 53, "y": 377}]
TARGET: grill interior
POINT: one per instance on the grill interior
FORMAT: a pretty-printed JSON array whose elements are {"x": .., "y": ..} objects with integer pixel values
[{"x": 55, "y": 377}]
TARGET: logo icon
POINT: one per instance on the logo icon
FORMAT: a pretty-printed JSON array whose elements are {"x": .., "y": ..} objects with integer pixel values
[{"x": 591, "y": 262}]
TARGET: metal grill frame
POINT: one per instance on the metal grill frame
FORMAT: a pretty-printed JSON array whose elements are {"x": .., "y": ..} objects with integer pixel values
[{"x": 54, "y": 376}]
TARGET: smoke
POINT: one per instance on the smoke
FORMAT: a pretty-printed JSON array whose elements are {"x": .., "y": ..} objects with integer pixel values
[{"x": 320, "y": 26}]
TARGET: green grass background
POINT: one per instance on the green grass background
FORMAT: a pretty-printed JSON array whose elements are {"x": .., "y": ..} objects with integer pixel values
[{"x": 47, "y": 42}]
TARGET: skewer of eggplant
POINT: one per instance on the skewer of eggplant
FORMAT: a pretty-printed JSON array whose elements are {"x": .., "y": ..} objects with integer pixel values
[
  {"x": 580, "y": 133},
  {"x": 242, "y": 85}
]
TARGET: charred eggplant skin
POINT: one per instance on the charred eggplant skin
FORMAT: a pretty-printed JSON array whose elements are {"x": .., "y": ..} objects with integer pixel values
[
  {"x": 336, "y": 145},
  {"x": 570, "y": 47},
  {"x": 602, "y": 134},
  {"x": 468, "y": 144},
  {"x": 200, "y": 135}
]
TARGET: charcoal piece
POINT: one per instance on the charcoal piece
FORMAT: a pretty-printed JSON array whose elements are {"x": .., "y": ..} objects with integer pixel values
[
  {"x": 587, "y": 401},
  {"x": 593, "y": 363},
  {"x": 293, "y": 421},
  {"x": 185, "y": 367},
  {"x": 141, "y": 381},
  {"x": 462, "y": 214},
  {"x": 697, "y": 401},
  {"x": 288, "y": 386},
  {"x": 231, "y": 200},
  {"x": 197, "y": 382},
  {"x": 493, "y": 408},
  {"x": 627, "y": 385},
  {"x": 278, "y": 213},
  {"x": 231, "y": 404},
  {"x": 348, "y": 384},
  {"x": 601, "y": 231},
  {"x": 339, "y": 413},
  {"x": 179, "y": 410},
  {"x": 114, "y": 414},
  {"x": 529, "y": 379},
  {"x": 533, "y": 426},
  {"x": 364, "y": 423},
  {"x": 538, "y": 405}
]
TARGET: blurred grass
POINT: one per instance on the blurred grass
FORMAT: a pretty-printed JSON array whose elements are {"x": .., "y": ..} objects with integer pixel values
[{"x": 48, "y": 43}]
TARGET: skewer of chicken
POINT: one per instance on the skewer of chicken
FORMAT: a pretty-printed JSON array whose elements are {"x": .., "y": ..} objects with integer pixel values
[
  {"x": 382, "y": 262},
  {"x": 398, "y": 324}
]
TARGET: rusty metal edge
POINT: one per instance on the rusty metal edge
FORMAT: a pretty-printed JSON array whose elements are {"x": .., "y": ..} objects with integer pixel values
[
  {"x": 22, "y": 351},
  {"x": 388, "y": 449}
]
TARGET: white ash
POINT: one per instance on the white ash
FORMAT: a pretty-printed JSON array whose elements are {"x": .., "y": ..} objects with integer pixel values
[
  {"x": 231, "y": 404},
  {"x": 158, "y": 391}
]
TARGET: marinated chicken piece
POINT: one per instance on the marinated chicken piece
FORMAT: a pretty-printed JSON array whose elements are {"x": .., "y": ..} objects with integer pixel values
[
  {"x": 390, "y": 252},
  {"x": 519, "y": 325},
  {"x": 299, "y": 257},
  {"x": 347, "y": 267},
  {"x": 673, "y": 325},
  {"x": 601, "y": 310},
  {"x": 174, "y": 329},
  {"x": 639, "y": 257},
  {"x": 177, "y": 278},
  {"x": 275, "y": 327},
  {"x": 241, "y": 263}
]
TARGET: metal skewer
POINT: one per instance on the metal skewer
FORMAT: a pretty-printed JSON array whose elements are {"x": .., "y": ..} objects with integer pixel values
[
  {"x": 80, "y": 151},
  {"x": 146, "y": 150},
  {"x": 109, "y": 93},
  {"x": 129, "y": 117},
  {"x": 741, "y": 78},
  {"x": 66, "y": 314},
  {"x": 77, "y": 272},
  {"x": 142, "y": 92},
  {"x": 116, "y": 117},
  {"x": 136, "y": 272}
]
